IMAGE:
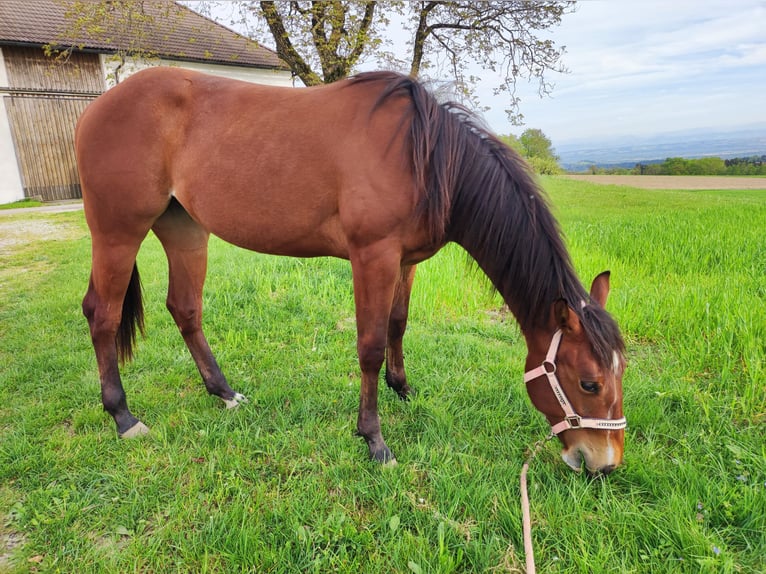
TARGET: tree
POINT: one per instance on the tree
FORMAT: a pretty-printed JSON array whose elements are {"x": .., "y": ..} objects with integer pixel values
[
  {"x": 675, "y": 166},
  {"x": 537, "y": 148},
  {"x": 325, "y": 41},
  {"x": 707, "y": 166},
  {"x": 498, "y": 36},
  {"x": 512, "y": 142},
  {"x": 339, "y": 32},
  {"x": 536, "y": 144},
  {"x": 125, "y": 24}
]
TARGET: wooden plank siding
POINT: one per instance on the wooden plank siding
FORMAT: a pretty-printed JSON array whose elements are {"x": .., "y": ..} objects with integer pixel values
[
  {"x": 43, "y": 102},
  {"x": 30, "y": 69},
  {"x": 43, "y": 135}
]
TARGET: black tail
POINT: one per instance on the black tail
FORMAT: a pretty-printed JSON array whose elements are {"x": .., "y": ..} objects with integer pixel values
[{"x": 132, "y": 317}]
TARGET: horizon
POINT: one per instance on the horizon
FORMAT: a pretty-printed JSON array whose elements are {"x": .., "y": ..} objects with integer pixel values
[
  {"x": 757, "y": 130},
  {"x": 647, "y": 68},
  {"x": 637, "y": 69},
  {"x": 689, "y": 144}
]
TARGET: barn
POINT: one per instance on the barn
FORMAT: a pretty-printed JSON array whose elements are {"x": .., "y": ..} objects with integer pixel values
[{"x": 41, "y": 99}]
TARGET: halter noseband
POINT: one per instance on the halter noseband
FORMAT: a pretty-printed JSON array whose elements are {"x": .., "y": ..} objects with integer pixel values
[{"x": 571, "y": 419}]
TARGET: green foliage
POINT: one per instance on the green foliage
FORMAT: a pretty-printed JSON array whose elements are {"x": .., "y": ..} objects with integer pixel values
[
  {"x": 703, "y": 166},
  {"x": 282, "y": 485},
  {"x": 755, "y": 165},
  {"x": 544, "y": 165},
  {"x": 537, "y": 149},
  {"x": 21, "y": 203},
  {"x": 536, "y": 144},
  {"x": 126, "y": 26},
  {"x": 513, "y": 142},
  {"x": 707, "y": 166}
]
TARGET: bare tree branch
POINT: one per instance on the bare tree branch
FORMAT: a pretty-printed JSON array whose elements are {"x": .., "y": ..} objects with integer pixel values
[{"x": 324, "y": 40}]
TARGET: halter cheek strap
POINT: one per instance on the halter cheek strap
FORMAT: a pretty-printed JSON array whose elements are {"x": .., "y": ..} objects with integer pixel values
[{"x": 571, "y": 419}]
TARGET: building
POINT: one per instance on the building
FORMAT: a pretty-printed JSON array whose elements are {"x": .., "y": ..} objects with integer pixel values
[{"x": 41, "y": 98}]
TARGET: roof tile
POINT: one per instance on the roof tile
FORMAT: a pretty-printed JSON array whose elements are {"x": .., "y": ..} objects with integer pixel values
[{"x": 171, "y": 31}]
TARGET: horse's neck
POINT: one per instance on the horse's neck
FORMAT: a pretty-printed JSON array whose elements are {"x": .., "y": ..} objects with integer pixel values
[
  {"x": 529, "y": 290},
  {"x": 499, "y": 214}
]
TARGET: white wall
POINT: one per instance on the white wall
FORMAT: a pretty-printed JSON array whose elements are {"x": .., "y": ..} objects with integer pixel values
[
  {"x": 10, "y": 178},
  {"x": 259, "y": 76},
  {"x": 269, "y": 77}
]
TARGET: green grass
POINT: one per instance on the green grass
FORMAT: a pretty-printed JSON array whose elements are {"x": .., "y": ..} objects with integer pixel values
[
  {"x": 21, "y": 203},
  {"x": 283, "y": 485}
]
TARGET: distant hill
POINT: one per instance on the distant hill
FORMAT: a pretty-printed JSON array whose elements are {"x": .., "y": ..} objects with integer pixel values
[{"x": 628, "y": 151}]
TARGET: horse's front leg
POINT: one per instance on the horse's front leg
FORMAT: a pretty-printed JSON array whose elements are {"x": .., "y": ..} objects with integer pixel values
[
  {"x": 397, "y": 324},
  {"x": 376, "y": 270}
]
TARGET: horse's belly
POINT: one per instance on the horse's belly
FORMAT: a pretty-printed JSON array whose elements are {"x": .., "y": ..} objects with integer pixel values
[{"x": 281, "y": 234}]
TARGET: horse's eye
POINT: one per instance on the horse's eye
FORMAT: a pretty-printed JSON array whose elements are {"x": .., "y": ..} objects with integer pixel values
[{"x": 589, "y": 386}]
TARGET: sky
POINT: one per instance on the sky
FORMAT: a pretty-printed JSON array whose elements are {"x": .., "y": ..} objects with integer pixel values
[
  {"x": 642, "y": 68},
  {"x": 648, "y": 67}
]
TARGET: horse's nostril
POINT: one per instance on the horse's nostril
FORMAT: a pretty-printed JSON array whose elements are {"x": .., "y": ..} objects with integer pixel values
[{"x": 607, "y": 469}]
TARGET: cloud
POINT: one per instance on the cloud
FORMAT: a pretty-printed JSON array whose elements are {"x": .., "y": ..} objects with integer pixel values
[
  {"x": 674, "y": 48},
  {"x": 649, "y": 66}
]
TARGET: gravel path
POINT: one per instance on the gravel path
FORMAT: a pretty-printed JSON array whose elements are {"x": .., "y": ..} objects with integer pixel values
[{"x": 17, "y": 231}]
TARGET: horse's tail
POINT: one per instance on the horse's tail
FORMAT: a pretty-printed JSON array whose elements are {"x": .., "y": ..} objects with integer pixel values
[{"x": 132, "y": 318}]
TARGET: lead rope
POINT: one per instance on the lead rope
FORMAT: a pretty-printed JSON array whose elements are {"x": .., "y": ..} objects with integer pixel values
[{"x": 529, "y": 553}]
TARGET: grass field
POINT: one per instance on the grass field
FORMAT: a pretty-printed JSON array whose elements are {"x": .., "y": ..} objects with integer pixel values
[
  {"x": 21, "y": 204},
  {"x": 283, "y": 485}
]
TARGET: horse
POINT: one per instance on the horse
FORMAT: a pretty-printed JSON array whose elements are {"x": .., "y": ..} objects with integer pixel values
[{"x": 371, "y": 169}]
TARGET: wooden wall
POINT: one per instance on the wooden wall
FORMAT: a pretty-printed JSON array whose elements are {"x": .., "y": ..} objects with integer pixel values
[
  {"x": 43, "y": 135},
  {"x": 29, "y": 68},
  {"x": 43, "y": 102}
]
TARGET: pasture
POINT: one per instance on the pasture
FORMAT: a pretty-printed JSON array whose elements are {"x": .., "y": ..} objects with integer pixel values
[{"x": 283, "y": 485}]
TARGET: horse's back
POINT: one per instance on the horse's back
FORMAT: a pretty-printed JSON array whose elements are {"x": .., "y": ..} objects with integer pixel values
[{"x": 294, "y": 171}]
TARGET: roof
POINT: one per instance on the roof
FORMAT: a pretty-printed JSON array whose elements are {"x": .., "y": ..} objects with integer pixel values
[{"x": 170, "y": 30}]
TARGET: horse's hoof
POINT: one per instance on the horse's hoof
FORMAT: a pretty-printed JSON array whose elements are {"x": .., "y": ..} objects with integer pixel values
[
  {"x": 138, "y": 429},
  {"x": 235, "y": 401},
  {"x": 384, "y": 456},
  {"x": 400, "y": 387}
]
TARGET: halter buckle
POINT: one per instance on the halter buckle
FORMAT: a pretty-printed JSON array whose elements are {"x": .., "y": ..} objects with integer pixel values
[
  {"x": 552, "y": 365},
  {"x": 575, "y": 421}
]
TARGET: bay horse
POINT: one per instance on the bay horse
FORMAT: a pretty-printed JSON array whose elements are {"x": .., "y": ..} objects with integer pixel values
[{"x": 371, "y": 169}]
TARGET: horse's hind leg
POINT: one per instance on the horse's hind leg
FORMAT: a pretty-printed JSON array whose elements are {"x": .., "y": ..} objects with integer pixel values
[
  {"x": 113, "y": 300},
  {"x": 185, "y": 243},
  {"x": 397, "y": 324}
]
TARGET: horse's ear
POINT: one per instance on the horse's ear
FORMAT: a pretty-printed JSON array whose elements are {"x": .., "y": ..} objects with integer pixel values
[
  {"x": 566, "y": 319},
  {"x": 599, "y": 290}
]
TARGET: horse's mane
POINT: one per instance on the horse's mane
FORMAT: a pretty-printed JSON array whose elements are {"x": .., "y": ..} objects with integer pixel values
[{"x": 479, "y": 193}]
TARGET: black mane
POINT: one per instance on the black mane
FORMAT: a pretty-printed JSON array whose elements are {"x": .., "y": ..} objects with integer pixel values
[{"x": 480, "y": 193}]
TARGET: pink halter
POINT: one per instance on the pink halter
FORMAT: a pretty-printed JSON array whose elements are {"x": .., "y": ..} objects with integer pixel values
[{"x": 571, "y": 419}]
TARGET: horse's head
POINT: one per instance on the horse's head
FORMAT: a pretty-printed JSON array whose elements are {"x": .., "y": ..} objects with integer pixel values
[{"x": 577, "y": 384}]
